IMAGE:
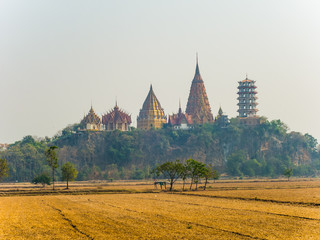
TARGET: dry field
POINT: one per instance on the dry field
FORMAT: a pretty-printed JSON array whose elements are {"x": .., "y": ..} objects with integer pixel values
[{"x": 227, "y": 210}]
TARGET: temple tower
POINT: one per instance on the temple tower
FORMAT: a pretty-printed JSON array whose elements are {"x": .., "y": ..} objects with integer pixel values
[
  {"x": 247, "y": 102},
  {"x": 151, "y": 115},
  {"x": 247, "y": 98},
  {"x": 198, "y": 104}
]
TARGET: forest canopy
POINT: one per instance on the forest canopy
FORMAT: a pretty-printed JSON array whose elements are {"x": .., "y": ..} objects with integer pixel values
[{"x": 237, "y": 150}]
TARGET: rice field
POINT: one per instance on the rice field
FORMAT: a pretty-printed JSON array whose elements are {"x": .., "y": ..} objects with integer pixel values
[{"x": 227, "y": 210}]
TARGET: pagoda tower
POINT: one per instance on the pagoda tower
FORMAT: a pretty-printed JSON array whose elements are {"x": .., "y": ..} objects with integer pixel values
[
  {"x": 151, "y": 115},
  {"x": 247, "y": 98},
  {"x": 198, "y": 104},
  {"x": 247, "y": 102}
]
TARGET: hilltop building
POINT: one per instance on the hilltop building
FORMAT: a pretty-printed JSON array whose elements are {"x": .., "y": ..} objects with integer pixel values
[
  {"x": 180, "y": 120},
  {"x": 116, "y": 119},
  {"x": 222, "y": 120},
  {"x": 152, "y": 114},
  {"x": 198, "y": 104},
  {"x": 91, "y": 121},
  {"x": 247, "y": 102}
]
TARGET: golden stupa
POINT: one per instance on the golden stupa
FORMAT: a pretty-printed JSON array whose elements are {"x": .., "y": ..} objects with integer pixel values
[{"x": 151, "y": 115}]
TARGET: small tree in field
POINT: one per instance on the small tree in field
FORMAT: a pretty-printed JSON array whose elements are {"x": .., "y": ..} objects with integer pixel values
[
  {"x": 288, "y": 172},
  {"x": 4, "y": 169},
  {"x": 69, "y": 173},
  {"x": 215, "y": 175},
  {"x": 171, "y": 170},
  {"x": 196, "y": 170},
  {"x": 44, "y": 179},
  {"x": 52, "y": 160}
]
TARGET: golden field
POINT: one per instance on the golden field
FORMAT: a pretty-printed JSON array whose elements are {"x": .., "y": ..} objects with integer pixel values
[{"x": 226, "y": 210}]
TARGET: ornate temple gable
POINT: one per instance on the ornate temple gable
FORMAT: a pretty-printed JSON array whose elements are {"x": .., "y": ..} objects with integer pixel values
[
  {"x": 180, "y": 120},
  {"x": 198, "y": 104},
  {"x": 91, "y": 121},
  {"x": 151, "y": 114},
  {"x": 116, "y": 119}
]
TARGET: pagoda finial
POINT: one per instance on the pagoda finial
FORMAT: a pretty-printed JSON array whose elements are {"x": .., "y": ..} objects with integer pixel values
[
  {"x": 246, "y": 76},
  {"x": 151, "y": 86},
  {"x": 180, "y": 111}
]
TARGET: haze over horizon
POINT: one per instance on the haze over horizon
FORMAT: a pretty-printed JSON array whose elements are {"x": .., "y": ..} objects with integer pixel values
[{"x": 58, "y": 57}]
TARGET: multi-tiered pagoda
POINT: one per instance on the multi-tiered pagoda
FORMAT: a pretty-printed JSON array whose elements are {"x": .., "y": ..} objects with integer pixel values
[
  {"x": 198, "y": 104},
  {"x": 247, "y": 102},
  {"x": 151, "y": 115}
]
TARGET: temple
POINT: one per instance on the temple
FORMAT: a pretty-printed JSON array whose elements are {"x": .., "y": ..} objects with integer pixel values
[
  {"x": 116, "y": 119},
  {"x": 198, "y": 104},
  {"x": 91, "y": 121},
  {"x": 180, "y": 120},
  {"x": 151, "y": 115},
  {"x": 222, "y": 120},
  {"x": 247, "y": 102}
]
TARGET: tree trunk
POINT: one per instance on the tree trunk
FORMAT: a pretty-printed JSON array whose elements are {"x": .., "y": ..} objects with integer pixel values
[
  {"x": 191, "y": 183},
  {"x": 67, "y": 183},
  {"x": 171, "y": 184},
  {"x": 184, "y": 182},
  {"x": 205, "y": 184},
  {"x": 52, "y": 178}
]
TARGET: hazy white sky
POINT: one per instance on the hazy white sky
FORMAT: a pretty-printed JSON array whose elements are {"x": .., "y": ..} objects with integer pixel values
[{"x": 58, "y": 56}]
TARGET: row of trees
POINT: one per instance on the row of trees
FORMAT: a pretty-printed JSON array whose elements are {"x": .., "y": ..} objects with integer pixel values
[
  {"x": 69, "y": 172},
  {"x": 190, "y": 169}
]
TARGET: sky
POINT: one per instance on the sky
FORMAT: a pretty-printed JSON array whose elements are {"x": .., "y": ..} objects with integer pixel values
[{"x": 59, "y": 57}]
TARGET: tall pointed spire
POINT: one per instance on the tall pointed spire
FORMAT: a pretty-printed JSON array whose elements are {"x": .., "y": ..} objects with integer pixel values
[
  {"x": 198, "y": 104},
  {"x": 197, "y": 75},
  {"x": 180, "y": 111}
]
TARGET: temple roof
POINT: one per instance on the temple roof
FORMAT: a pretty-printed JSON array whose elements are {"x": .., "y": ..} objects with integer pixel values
[
  {"x": 116, "y": 115},
  {"x": 91, "y": 118},
  {"x": 179, "y": 118},
  {"x": 151, "y": 107}
]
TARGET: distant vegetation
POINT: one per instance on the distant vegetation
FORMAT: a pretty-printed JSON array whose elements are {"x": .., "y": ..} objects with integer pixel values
[{"x": 265, "y": 150}]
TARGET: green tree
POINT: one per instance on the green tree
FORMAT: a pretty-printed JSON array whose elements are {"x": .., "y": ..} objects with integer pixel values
[
  {"x": 69, "y": 173},
  {"x": 288, "y": 172},
  {"x": 196, "y": 170},
  {"x": 52, "y": 160},
  {"x": 44, "y": 179},
  {"x": 4, "y": 169},
  {"x": 170, "y": 170}
]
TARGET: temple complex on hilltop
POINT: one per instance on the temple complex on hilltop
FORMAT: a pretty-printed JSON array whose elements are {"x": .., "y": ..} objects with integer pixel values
[
  {"x": 198, "y": 104},
  {"x": 116, "y": 119},
  {"x": 91, "y": 121},
  {"x": 247, "y": 102},
  {"x": 151, "y": 115},
  {"x": 180, "y": 120}
]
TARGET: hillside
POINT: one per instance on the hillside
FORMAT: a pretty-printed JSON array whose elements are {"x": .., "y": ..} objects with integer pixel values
[{"x": 237, "y": 150}]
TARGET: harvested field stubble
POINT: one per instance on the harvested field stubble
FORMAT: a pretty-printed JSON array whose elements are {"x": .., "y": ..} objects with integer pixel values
[{"x": 179, "y": 215}]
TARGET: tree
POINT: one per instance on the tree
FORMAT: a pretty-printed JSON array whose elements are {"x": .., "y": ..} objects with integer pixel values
[
  {"x": 44, "y": 179},
  {"x": 171, "y": 170},
  {"x": 215, "y": 175},
  {"x": 196, "y": 170},
  {"x": 288, "y": 172},
  {"x": 4, "y": 169},
  {"x": 52, "y": 160},
  {"x": 69, "y": 173}
]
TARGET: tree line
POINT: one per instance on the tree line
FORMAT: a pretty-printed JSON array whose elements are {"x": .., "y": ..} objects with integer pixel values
[{"x": 237, "y": 150}]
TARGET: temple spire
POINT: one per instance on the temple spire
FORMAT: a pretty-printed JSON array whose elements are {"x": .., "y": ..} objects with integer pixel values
[{"x": 180, "y": 111}]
